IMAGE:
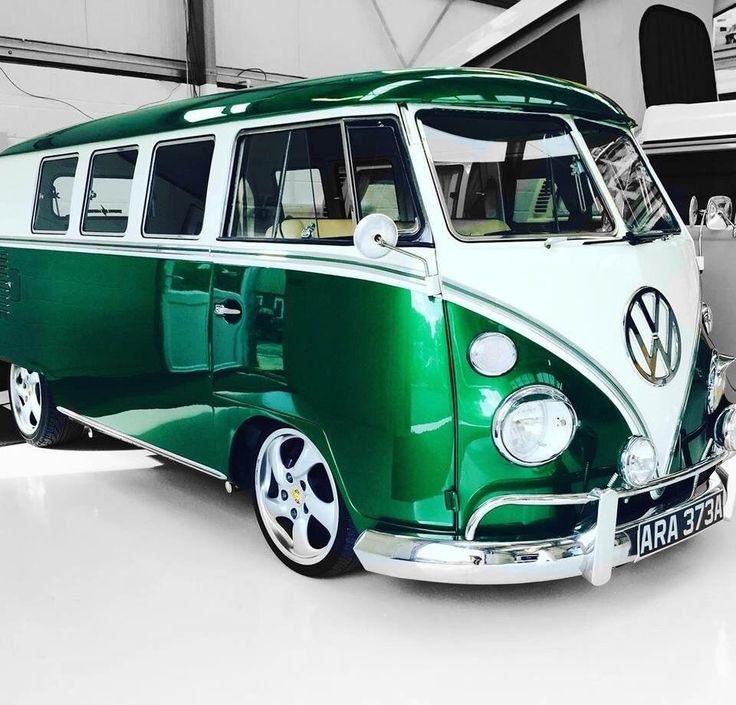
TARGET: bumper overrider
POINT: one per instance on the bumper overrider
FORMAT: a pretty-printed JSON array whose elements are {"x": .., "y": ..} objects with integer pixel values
[{"x": 592, "y": 552}]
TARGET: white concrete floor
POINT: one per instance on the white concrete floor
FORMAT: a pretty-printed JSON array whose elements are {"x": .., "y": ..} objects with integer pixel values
[{"x": 128, "y": 579}]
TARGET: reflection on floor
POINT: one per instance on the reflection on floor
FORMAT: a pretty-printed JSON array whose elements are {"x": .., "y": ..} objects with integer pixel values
[{"x": 150, "y": 584}]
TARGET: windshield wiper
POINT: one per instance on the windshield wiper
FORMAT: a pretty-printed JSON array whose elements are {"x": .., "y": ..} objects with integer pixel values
[{"x": 636, "y": 238}]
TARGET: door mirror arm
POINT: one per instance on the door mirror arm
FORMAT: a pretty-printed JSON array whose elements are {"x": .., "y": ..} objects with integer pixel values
[{"x": 376, "y": 235}]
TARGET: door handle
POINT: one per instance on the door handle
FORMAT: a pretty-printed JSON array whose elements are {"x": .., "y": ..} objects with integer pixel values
[{"x": 225, "y": 311}]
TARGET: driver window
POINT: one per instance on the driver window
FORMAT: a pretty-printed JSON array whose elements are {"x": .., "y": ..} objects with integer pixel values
[{"x": 381, "y": 180}]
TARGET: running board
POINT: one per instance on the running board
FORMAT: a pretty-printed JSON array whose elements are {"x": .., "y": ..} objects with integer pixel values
[{"x": 96, "y": 426}]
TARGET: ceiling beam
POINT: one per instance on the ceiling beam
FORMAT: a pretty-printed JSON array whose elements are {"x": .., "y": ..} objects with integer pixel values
[
  {"x": 64, "y": 56},
  {"x": 505, "y": 4}
]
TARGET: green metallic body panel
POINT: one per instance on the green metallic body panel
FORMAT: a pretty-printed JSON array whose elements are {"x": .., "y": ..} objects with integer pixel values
[
  {"x": 361, "y": 367},
  {"x": 483, "y": 472},
  {"x": 696, "y": 426},
  {"x": 377, "y": 375},
  {"x": 123, "y": 340},
  {"x": 365, "y": 364},
  {"x": 484, "y": 88}
]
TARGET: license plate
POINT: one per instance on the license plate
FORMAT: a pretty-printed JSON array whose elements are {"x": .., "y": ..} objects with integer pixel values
[{"x": 667, "y": 530}]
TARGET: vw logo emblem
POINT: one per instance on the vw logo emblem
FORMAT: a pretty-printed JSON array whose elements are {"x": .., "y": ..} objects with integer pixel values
[{"x": 652, "y": 336}]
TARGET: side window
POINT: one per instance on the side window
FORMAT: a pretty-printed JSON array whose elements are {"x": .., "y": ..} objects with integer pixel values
[
  {"x": 108, "y": 191},
  {"x": 381, "y": 180},
  {"x": 178, "y": 188},
  {"x": 54, "y": 194},
  {"x": 254, "y": 195},
  {"x": 289, "y": 185}
]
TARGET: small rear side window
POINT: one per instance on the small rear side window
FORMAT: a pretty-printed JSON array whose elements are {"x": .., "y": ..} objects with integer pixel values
[
  {"x": 108, "y": 191},
  {"x": 54, "y": 194},
  {"x": 178, "y": 188}
]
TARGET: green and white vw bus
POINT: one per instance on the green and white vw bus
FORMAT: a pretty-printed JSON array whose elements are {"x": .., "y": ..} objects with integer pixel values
[{"x": 443, "y": 323}]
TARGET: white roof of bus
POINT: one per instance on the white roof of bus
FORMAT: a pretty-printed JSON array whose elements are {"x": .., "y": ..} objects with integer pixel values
[
  {"x": 694, "y": 121},
  {"x": 500, "y": 28}
]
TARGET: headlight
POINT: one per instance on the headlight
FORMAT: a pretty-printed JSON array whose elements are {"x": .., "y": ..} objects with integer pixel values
[
  {"x": 725, "y": 429},
  {"x": 534, "y": 425},
  {"x": 717, "y": 379},
  {"x": 492, "y": 354},
  {"x": 707, "y": 315},
  {"x": 638, "y": 462}
]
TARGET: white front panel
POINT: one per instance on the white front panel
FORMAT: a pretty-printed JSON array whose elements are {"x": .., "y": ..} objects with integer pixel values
[{"x": 581, "y": 293}]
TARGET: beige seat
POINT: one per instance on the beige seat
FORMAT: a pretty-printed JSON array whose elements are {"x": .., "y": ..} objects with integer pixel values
[
  {"x": 479, "y": 228},
  {"x": 292, "y": 228}
]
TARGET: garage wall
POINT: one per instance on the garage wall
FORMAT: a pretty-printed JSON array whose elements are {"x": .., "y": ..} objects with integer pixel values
[
  {"x": 23, "y": 116},
  {"x": 319, "y": 37},
  {"x": 285, "y": 38},
  {"x": 151, "y": 27}
]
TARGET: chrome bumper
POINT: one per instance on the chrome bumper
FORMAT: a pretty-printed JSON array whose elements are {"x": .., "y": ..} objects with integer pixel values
[{"x": 592, "y": 553}]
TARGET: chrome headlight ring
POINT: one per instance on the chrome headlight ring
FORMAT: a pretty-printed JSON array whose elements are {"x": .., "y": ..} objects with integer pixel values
[
  {"x": 638, "y": 461},
  {"x": 717, "y": 379},
  {"x": 706, "y": 314},
  {"x": 492, "y": 354},
  {"x": 725, "y": 428},
  {"x": 534, "y": 425}
]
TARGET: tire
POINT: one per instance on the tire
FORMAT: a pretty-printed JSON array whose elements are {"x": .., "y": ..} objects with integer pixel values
[
  {"x": 4, "y": 376},
  {"x": 35, "y": 415},
  {"x": 299, "y": 508}
]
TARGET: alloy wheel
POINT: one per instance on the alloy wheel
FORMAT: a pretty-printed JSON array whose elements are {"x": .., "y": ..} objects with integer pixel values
[
  {"x": 297, "y": 497},
  {"x": 25, "y": 396}
]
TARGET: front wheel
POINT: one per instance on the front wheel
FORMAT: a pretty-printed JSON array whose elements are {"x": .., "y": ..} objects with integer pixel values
[
  {"x": 299, "y": 508},
  {"x": 35, "y": 414}
]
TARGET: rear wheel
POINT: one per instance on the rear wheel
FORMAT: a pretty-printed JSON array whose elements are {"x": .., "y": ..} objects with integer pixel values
[
  {"x": 35, "y": 415},
  {"x": 299, "y": 508}
]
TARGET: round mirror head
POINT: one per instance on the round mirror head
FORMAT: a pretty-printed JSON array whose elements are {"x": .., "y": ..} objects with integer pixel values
[
  {"x": 373, "y": 233},
  {"x": 692, "y": 213},
  {"x": 718, "y": 213}
]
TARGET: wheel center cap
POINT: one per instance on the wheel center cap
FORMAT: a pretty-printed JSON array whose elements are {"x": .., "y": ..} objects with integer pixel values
[{"x": 296, "y": 495}]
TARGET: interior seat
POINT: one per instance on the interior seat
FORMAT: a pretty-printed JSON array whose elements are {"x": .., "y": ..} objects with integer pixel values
[
  {"x": 292, "y": 228},
  {"x": 479, "y": 228}
]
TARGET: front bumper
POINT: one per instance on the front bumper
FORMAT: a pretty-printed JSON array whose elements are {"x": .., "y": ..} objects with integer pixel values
[{"x": 592, "y": 552}]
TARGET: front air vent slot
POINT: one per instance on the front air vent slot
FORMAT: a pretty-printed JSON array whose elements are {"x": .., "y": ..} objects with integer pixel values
[{"x": 5, "y": 284}]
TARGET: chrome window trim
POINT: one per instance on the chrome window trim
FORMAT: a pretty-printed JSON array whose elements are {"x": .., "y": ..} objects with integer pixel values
[
  {"x": 154, "y": 150},
  {"x": 55, "y": 157},
  {"x": 88, "y": 186}
]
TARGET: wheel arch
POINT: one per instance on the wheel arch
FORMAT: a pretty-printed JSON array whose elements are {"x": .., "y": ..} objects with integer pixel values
[
  {"x": 4, "y": 376},
  {"x": 249, "y": 436}
]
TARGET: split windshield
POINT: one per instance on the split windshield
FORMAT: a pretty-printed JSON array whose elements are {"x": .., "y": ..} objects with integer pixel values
[
  {"x": 512, "y": 176},
  {"x": 627, "y": 177}
]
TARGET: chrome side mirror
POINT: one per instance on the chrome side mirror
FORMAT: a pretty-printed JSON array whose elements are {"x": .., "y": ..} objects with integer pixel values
[
  {"x": 375, "y": 235},
  {"x": 718, "y": 213},
  {"x": 693, "y": 212}
]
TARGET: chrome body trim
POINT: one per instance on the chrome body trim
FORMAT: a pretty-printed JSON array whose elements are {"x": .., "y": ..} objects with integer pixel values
[
  {"x": 97, "y": 426},
  {"x": 585, "y": 497},
  {"x": 499, "y": 420},
  {"x": 592, "y": 551}
]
